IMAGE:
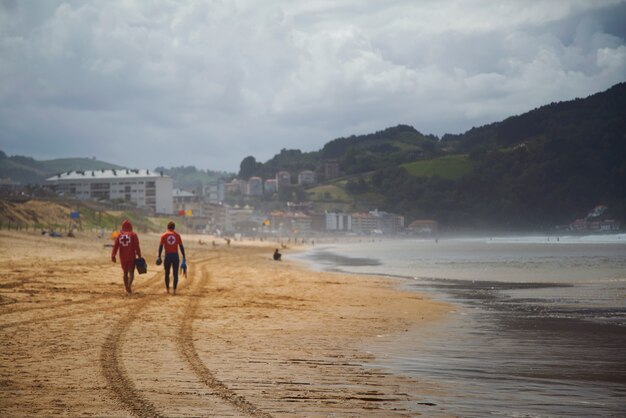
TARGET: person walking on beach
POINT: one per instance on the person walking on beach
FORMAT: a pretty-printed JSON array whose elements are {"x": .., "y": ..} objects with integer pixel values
[
  {"x": 171, "y": 240},
  {"x": 127, "y": 242}
]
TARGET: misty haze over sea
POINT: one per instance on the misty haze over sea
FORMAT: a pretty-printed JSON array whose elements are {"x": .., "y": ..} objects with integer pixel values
[{"x": 538, "y": 328}]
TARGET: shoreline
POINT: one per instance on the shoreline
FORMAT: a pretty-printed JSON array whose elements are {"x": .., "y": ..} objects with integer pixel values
[
  {"x": 245, "y": 335},
  {"x": 537, "y": 328}
]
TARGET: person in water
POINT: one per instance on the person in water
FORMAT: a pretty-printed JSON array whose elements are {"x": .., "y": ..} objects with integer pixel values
[
  {"x": 127, "y": 242},
  {"x": 171, "y": 241}
]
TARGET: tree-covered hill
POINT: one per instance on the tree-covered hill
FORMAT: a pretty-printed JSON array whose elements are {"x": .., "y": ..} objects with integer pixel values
[
  {"x": 545, "y": 167},
  {"x": 542, "y": 168},
  {"x": 355, "y": 154},
  {"x": 26, "y": 170},
  {"x": 576, "y": 119},
  {"x": 392, "y": 146}
]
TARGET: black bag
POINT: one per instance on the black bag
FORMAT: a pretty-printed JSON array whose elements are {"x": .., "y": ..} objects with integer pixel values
[{"x": 142, "y": 266}]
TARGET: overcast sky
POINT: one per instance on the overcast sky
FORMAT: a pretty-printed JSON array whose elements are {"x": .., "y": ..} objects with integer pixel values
[{"x": 207, "y": 83}]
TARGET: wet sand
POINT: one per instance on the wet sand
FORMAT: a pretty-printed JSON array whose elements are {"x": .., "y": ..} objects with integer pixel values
[
  {"x": 245, "y": 336},
  {"x": 538, "y": 329}
]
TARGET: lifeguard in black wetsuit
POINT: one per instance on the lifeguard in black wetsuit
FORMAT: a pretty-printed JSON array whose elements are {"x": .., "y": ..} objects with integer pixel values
[{"x": 171, "y": 240}]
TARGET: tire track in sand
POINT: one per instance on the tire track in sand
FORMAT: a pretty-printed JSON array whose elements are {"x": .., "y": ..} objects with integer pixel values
[
  {"x": 111, "y": 363},
  {"x": 111, "y": 359},
  {"x": 189, "y": 353},
  {"x": 154, "y": 280}
]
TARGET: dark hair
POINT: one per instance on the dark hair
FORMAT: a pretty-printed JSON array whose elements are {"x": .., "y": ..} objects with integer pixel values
[{"x": 171, "y": 225}]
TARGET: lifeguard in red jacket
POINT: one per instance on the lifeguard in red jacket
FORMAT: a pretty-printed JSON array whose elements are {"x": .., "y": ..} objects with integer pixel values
[
  {"x": 171, "y": 240},
  {"x": 127, "y": 242}
]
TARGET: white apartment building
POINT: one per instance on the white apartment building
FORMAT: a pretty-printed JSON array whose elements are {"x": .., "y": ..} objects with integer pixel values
[
  {"x": 145, "y": 188},
  {"x": 338, "y": 221}
]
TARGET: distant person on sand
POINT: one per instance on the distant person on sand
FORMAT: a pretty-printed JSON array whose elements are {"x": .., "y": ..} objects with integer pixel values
[
  {"x": 171, "y": 240},
  {"x": 127, "y": 242},
  {"x": 277, "y": 255}
]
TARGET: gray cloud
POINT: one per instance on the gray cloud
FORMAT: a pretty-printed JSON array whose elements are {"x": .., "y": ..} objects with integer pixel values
[{"x": 209, "y": 82}]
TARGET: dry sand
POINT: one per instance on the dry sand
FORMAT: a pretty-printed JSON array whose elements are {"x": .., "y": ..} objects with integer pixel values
[{"x": 245, "y": 336}]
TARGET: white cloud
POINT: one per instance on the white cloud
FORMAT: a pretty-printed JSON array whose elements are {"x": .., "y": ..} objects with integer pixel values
[
  {"x": 612, "y": 60},
  {"x": 210, "y": 82}
]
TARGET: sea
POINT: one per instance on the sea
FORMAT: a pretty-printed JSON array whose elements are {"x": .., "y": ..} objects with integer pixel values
[{"x": 536, "y": 328}]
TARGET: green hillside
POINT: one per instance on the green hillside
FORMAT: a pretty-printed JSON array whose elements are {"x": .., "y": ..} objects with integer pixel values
[
  {"x": 334, "y": 192},
  {"x": 543, "y": 168},
  {"x": 451, "y": 167},
  {"x": 355, "y": 154}
]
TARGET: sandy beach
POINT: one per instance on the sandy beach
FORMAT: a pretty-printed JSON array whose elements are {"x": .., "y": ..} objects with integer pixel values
[{"x": 245, "y": 336}]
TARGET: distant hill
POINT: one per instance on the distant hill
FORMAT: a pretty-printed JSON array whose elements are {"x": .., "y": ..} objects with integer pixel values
[
  {"x": 545, "y": 167},
  {"x": 26, "y": 170},
  {"x": 355, "y": 154},
  {"x": 536, "y": 170},
  {"x": 586, "y": 117},
  {"x": 539, "y": 169}
]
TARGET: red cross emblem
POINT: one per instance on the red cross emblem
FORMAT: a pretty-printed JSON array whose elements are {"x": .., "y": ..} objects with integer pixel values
[
  {"x": 124, "y": 240},
  {"x": 171, "y": 240}
]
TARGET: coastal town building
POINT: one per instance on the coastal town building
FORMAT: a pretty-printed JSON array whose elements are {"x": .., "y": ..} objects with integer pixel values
[
  {"x": 214, "y": 191},
  {"x": 306, "y": 178},
  {"x": 290, "y": 223},
  {"x": 338, "y": 222},
  {"x": 187, "y": 203},
  {"x": 595, "y": 221},
  {"x": 389, "y": 223},
  {"x": 377, "y": 222},
  {"x": 283, "y": 179},
  {"x": 216, "y": 215},
  {"x": 231, "y": 187},
  {"x": 423, "y": 227},
  {"x": 144, "y": 188},
  {"x": 585, "y": 225},
  {"x": 236, "y": 215},
  {"x": 255, "y": 186},
  {"x": 364, "y": 223},
  {"x": 271, "y": 186},
  {"x": 236, "y": 186},
  {"x": 318, "y": 222}
]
